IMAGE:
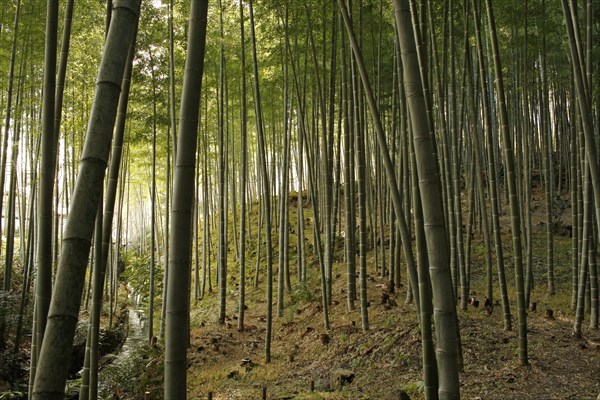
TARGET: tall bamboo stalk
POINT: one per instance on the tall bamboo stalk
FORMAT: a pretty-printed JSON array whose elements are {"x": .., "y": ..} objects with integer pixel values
[
  {"x": 444, "y": 310},
  {"x": 176, "y": 334},
  {"x": 55, "y": 352}
]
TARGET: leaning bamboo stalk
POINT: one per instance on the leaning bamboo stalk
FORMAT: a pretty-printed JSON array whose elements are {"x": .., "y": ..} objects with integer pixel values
[{"x": 52, "y": 366}]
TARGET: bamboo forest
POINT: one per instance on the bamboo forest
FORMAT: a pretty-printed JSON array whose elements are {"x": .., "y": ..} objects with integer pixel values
[{"x": 312, "y": 199}]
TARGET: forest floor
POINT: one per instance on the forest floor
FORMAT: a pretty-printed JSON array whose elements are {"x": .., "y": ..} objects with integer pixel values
[{"x": 387, "y": 359}]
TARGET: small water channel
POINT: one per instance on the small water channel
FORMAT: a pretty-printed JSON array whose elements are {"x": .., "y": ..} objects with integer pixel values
[{"x": 119, "y": 368}]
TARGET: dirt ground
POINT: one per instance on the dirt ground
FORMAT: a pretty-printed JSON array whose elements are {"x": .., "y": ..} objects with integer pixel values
[{"x": 387, "y": 358}]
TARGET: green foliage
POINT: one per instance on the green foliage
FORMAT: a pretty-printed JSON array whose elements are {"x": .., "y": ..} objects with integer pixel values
[
  {"x": 415, "y": 388},
  {"x": 137, "y": 276},
  {"x": 13, "y": 366},
  {"x": 301, "y": 295},
  {"x": 12, "y": 394},
  {"x": 132, "y": 375},
  {"x": 9, "y": 313}
]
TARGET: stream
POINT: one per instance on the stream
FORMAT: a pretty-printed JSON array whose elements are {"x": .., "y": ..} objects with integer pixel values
[{"x": 118, "y": 369}]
